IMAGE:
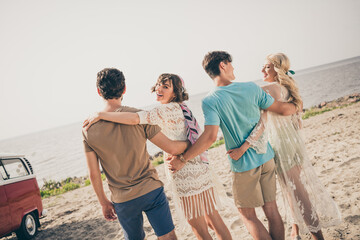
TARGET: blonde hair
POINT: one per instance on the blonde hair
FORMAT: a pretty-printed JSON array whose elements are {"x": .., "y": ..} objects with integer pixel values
[{"x": 282, "y": 65}]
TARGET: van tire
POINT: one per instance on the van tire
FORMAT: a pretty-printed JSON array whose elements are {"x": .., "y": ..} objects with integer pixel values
[{"x": 29, "y": 227}]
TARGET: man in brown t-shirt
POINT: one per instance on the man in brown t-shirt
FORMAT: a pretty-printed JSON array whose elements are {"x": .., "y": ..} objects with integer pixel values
[{"x": 121, "y": 150}]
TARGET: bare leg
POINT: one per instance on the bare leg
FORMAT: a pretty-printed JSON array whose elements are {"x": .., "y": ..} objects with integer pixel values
[
  {"x": 294, "y": 231},
  {"x": 215, "y": 222},
  {"x": 253, "y": 224},
  {"x": 198, "y": 223},
  {"x": 198, "y": 206},
  {"x": 200, "y": 228},
  {"x": 318, "y": 235},
  {"x": 301, "y": 194},
  {"x": 276, "y": 225},
  {"x": 169, "y": 236}
]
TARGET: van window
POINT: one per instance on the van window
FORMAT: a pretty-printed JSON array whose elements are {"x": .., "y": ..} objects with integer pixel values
[
  {"x": 13, "y": 168},
  {"x": 3, "y": 173}
]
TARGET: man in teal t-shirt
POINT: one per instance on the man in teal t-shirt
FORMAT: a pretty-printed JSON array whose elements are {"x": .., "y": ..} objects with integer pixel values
[{"x": 235, "y": 108}]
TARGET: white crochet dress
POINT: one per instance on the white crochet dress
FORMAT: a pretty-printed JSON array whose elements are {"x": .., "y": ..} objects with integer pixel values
[{"x": 193, "y": 186}]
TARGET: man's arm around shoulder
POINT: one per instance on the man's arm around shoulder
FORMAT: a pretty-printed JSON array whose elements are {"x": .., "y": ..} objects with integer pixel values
[{"x": 282, "y": 108}]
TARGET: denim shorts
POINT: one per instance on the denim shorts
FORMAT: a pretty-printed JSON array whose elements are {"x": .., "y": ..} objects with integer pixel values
[{"x": 156, "y": 207}]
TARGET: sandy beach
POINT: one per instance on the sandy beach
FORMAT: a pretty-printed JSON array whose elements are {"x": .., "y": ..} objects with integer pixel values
[{"x": 333, "y": 143}]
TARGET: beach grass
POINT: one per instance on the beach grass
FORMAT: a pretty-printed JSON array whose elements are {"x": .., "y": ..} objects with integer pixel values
[
  {"x": 157, "y": 161},
  {"x": 313, "y": 111},
  {"x": 217, "y": 143},
  {"x": 53, "y": 191},
  {"x": 53, "y": 188}
]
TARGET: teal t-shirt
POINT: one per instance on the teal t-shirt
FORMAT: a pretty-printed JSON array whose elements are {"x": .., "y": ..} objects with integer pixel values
[{"x": 236, "y": 109}]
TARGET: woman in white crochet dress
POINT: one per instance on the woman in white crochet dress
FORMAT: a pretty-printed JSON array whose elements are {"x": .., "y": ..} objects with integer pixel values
[
  {"x": 195, "y": 193},
  {"x": 311, "y": 207}
]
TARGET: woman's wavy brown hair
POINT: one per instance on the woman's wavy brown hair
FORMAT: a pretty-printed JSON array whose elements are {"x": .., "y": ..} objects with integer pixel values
[{"x": 179, "y": 90}]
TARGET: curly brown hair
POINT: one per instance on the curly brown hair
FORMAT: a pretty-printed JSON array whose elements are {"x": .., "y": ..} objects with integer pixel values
[
  {"x": 111, "y": 83},
  {"x": 178, "y": 88}
]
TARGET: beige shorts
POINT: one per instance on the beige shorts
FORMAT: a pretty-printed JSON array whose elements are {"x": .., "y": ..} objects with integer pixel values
[{"x": 255, "y": 187}]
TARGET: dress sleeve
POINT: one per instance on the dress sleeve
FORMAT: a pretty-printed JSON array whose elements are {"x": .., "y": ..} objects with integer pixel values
[
  {"x": 265, "y": 99},
  {"x": 297, "y": 121},
  {"x": 275, "y": 91},
  {"x": 258, "y": 136},
  {"x": 155, "y": 116}
]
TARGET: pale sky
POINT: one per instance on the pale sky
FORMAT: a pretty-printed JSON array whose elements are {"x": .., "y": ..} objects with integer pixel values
[{"x": 50, "y": 51}]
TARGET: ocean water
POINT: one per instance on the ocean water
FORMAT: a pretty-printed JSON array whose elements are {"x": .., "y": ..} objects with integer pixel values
[{"x": 58, "y": 153}]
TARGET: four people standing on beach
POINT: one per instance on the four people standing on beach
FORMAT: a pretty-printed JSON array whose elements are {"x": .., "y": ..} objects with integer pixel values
[{"x": 235, "y": 108}]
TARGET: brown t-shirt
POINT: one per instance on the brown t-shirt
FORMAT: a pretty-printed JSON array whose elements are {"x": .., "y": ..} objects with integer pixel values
[{"x": 123, "y": 156}]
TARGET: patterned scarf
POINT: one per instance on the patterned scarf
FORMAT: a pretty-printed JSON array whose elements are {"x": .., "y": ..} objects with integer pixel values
[{"x": 192, "y": 129}]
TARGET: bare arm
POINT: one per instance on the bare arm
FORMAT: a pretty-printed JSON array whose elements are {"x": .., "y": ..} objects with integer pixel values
[
  {"x": 96, "y": 182},
  {"x": 129, "y": 118},
  {"x": 207, "y": 138},
  {"x": 237, "y": 153},
  {"x": 169, "y": 146},
  {"x": 282, "y": 108}
]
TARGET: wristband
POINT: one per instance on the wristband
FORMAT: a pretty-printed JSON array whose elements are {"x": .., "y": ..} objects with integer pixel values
[{"x": 182, "y": 159}]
